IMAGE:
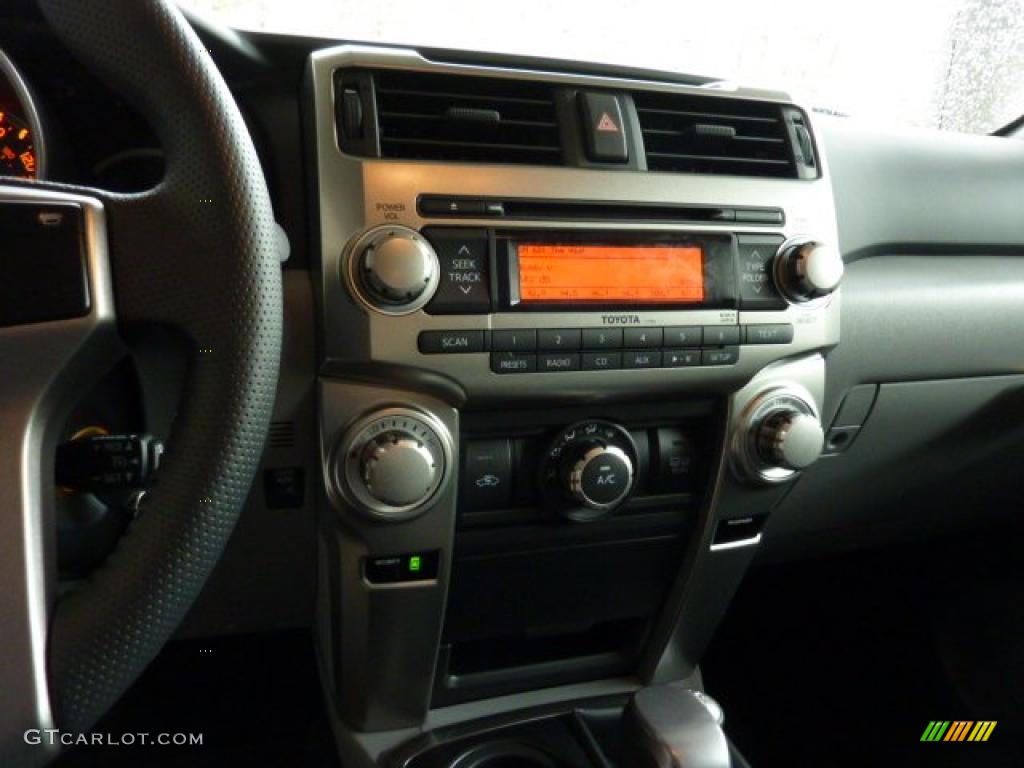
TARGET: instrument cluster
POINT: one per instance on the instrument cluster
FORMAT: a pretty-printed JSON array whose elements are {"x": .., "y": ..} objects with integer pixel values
[{"x": 21, "y": 140}]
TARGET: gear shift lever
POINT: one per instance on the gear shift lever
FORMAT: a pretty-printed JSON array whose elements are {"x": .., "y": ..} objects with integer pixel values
[{"x": 670, "y": 726}]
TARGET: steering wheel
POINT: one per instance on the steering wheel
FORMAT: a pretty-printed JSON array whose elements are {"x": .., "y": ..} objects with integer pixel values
[{"x": 198, "y": 254}]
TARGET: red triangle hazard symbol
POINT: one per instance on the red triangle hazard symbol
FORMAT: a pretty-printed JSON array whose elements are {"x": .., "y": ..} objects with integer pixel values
[{"x": 607, "y": 124}]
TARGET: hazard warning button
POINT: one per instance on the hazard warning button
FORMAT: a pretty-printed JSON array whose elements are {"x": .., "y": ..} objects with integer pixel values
[{"x": 605, "y": 133}]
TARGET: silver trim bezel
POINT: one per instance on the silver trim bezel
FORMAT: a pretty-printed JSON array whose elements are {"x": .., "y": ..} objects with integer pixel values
[
  {"x": 753, "y": 541},
  {"x": 42, "y": 366},
  {"x": 358, "y": 194}
]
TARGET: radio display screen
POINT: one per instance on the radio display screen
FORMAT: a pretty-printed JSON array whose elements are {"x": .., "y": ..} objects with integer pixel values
[{"x": 579, "y": 273}]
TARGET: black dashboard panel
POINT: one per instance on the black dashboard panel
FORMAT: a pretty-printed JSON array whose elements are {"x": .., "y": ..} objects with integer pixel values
[{"x": 933, "y": 305}]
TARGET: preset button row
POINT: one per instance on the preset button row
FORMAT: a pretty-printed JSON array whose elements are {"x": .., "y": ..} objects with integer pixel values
[{"x": 576, "y": 339}]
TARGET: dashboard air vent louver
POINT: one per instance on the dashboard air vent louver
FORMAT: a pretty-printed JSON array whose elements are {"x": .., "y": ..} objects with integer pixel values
[
  {"x": 430, "y": 116},
  {"x": 706, "y": 134}
]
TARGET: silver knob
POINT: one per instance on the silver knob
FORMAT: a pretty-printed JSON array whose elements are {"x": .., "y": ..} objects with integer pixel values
[
  {"x": 391, "y": 464},
  {"x": 602, "y": 477},
  {"x": 394, "y": 269},
  {"x": 806, "y": 270},
  {"x": 399, "y": 470},
  {"x": 790, "y": 439},
  {"x": 778, "y": 434}
]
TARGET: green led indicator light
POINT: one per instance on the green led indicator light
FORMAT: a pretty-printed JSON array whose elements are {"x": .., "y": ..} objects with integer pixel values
[{"x": 415, "y": 564}]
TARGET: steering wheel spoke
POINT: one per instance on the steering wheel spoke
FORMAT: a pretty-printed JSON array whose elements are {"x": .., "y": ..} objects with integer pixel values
[
  {"x": 52, "y": 339},
  {"x": 200, "y": 253}
]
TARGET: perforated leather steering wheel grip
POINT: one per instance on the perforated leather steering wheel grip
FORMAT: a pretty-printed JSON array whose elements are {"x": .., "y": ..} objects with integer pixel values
[{"x": 198, "y": 253}]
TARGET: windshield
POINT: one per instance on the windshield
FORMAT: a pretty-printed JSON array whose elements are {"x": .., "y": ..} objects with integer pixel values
[{"x": 954, "y": 65}]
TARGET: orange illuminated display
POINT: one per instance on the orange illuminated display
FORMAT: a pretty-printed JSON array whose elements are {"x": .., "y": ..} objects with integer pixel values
[
  {"x": 652, "y": 274},
  {"x": 17, "y": 152}
]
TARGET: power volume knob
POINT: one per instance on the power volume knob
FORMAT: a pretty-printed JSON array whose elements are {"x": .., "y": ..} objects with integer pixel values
[
  {"x": 806, "y": 270},
  {"x": 394, "y": 269},
  {"x": 393, "y": 463}
]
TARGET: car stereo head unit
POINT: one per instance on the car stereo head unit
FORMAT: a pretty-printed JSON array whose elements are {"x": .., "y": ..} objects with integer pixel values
[{"x": 586, "y": 271}]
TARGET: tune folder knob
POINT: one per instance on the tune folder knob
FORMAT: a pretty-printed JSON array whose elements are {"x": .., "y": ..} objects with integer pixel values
[{"x": 806, "y": 270}]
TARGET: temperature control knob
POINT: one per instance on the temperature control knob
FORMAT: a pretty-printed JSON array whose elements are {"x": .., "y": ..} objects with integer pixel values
[
  {"x": 391, "y": 463},
  {"x": 394, "y": 269},
  {"x": 589, "y": 470},
  {"x": 806, "y": 270},
  {"x": 779, "y": 434}
]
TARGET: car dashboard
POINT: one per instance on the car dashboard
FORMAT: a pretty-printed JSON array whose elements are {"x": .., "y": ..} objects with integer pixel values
[{"x": 570, "y": 351}]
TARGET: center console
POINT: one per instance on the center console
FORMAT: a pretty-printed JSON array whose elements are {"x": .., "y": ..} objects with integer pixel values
[{"x": 572, "y": 337}]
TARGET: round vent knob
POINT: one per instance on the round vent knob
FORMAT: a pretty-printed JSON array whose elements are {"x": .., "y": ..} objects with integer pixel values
[
  {"x": 398, "y": 469},
  {"x": 806, "y": 270},
  {"x": 779, "y": 434},
  {"x": 791, "y": 439},
  {"x": 393, "y": 463},
  {"x": 394, "y": 269}
]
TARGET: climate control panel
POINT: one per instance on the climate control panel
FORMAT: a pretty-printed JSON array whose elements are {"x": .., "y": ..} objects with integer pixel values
[
  {"x": 588, "y": 470},
  {"x": 596, "y": 469}
]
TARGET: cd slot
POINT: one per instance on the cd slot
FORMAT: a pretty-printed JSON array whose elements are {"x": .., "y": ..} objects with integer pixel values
[{"x": 434, "y": 206}]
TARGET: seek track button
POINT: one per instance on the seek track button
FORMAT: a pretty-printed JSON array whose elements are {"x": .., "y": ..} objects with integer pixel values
[{"x": 464, "y": 287}]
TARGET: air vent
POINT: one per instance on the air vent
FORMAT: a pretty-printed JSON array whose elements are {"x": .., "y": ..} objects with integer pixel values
[
  {"x": 706, "y": 134},
  {"x": 428, "y": 116},
  {"x": 282, "y": 434}
]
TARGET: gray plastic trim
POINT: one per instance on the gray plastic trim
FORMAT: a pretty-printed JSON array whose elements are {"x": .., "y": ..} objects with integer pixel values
[
  {"x": 41, "y": 364},
  {"x": 710, "y": 575},
  {"x": 917, "y": 191},
  {"x": 380, "y": 643}
]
